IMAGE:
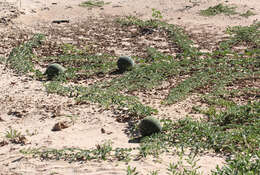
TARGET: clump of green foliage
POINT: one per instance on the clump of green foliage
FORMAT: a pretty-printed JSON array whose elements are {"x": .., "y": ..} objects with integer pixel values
[
  {"x": 247, "y": 14},
  {"x": 92, "y": 3},
  {"x": 21, "y": 58},
  {"x": 242, "y": 163},
  {"x": 107, "y": 97},
  {"x": 218, "y": 9},
  {"x": 101, "y": 152},
  {"x": 250, "y": 35},
  {"x": 131, "y": 171},
  {"x": 12, "y": 134}
]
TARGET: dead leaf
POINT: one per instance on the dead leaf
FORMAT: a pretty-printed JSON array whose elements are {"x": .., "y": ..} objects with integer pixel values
[
  {"x": 3, "y": 143},
  {"x": 15, "y": 113},
  {"x": 109, "y": 132},
  {"x": 56, "y": 111},
  {"x": 20, "y": 140},
  {"x": 60, "y": 125}
]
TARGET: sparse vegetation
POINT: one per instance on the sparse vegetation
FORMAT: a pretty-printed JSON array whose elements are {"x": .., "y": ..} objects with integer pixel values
[
  {"x": 242, "y": 163},
  {"x": 92, "y": 3},
  {"x": 247, "y": 14},
  {"x": 177, "y": 34},
  {"x": 180, "y": 169},
  {"x": 218, "y": 9},
  {"x": 101, "y": 152},
  {"x": 228, "y": 128},
  {"x": 249, "y": 35},
  {"x": 15, "y": 136},
  {"x": 2, "y": 59},
  {"x": 156, "y": 14},
  {"x": 224, "y": 132},
  {"x": 21, "y": 57},
  {"x": 12, "y": 134},
  {"x": 131, "y": 171}
]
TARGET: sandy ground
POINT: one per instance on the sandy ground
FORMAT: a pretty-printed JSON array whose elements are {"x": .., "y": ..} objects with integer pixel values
[{"x": 26, "y": 107}]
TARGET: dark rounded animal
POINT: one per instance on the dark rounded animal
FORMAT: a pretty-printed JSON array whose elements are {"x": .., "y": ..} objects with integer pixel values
[
  {"x": 149, "y": 126},
  {"x": 125, "y": 63},
  {"x": 54, "y": 69}
]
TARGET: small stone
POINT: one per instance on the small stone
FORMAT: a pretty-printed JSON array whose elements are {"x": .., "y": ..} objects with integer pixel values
[{"x": 103, "y": 130}]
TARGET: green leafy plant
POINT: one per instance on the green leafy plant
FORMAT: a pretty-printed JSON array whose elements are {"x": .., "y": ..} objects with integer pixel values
[
  {"x": 242, "y": 163},
  {"x": 156, "y": 14},
  {"x": 69, "y": 49},
  {"x": 154, "y": 173},
  {"x": 12, "y": 134},
  {"x": 245, "y": 34},
  {"x": 58, "y": 88},
  {"x": 191, "y": 167},
  {"x": 92, "y": 3},
  {"x": 247, "y": 14},
  {"x": 20, "y": 58},
  {"x": 152, "y": 145},
  {"x": 15, "y": 137},
  {"x": 123, "y": 154},
  {"x": 131, "y": 171},
  {"x": 218, "y": 9},
  {"x": 101, "y": 152}
]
